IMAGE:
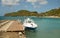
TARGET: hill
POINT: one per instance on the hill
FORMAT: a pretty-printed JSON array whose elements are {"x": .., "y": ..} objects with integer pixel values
[
  {"x": 53, "y": 12},
  {"x": 22, "y": 13}
]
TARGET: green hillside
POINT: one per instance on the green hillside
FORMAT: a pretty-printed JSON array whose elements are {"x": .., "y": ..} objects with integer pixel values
[
  {"x": 22, "y": 13},
  {"x": 53, "y": 12}
]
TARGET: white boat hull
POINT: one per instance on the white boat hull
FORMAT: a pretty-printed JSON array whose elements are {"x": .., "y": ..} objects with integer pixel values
[{"x": 29, "y": 24}]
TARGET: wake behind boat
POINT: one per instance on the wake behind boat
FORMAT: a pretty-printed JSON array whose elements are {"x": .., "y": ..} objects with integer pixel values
[{"x": 29, "y": 24}]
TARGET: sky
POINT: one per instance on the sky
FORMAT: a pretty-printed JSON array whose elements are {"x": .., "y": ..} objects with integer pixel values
[{"x": 7, "y": 6}]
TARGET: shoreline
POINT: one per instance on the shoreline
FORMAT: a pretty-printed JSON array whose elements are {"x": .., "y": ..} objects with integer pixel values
[
  {"x": 33, "y": 16},
  {"x": 49, "y": 17}
]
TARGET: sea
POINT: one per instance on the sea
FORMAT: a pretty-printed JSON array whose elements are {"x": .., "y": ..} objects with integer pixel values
[{"x": 47, "y": 27}]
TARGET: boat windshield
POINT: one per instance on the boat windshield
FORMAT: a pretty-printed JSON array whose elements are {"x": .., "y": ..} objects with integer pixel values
[{"x": 29, "y": 21}]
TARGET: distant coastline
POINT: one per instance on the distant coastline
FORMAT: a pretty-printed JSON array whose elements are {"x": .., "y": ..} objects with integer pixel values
[
  {"x": 53, "y": 13},
  {"x": 36, "y": 16},
  {"x": 49, "y": 17}
]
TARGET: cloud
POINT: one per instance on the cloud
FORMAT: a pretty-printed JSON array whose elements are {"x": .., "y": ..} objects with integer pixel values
[
  {"x": 10, "y": 2},
  {"x": 38, "y": 1},
  {"x": 43, "y": 2},
  {"x": 36, "y": 6},
  {"x": 31, "y": 1}
]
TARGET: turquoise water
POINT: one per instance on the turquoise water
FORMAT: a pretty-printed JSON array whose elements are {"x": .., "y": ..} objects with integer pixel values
[{"x": 47, "y": 27}]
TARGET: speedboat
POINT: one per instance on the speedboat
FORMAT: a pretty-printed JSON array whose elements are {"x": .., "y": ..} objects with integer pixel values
[{"x": 29, "y": 24}]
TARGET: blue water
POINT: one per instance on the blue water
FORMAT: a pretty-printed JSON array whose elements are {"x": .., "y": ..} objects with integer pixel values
[{"x": 47, "y": 27}]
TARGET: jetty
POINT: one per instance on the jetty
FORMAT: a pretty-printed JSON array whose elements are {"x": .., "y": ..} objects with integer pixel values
[{"x": 11, "y": 29}]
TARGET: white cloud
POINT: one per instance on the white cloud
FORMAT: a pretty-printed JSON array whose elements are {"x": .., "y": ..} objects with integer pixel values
[
  {"x": 38, "y": 1},
  {"x": 36, "y": 6},
  {"x": 10, "y": 2},
  {"x": 43, "y": 2},
  {"x": 31, "y": 1}
]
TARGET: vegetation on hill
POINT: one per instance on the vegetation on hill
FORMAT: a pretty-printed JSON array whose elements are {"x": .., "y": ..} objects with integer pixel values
[
  {"x": 53, "y": 12},
  {"x": 22, "y": 13}
]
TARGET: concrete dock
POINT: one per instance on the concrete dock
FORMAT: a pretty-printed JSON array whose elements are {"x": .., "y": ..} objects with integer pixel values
[{"x": 12, "y": 29}]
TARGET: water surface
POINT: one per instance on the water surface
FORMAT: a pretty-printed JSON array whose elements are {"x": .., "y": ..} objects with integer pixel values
[{"x": 47, "y": 27}]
